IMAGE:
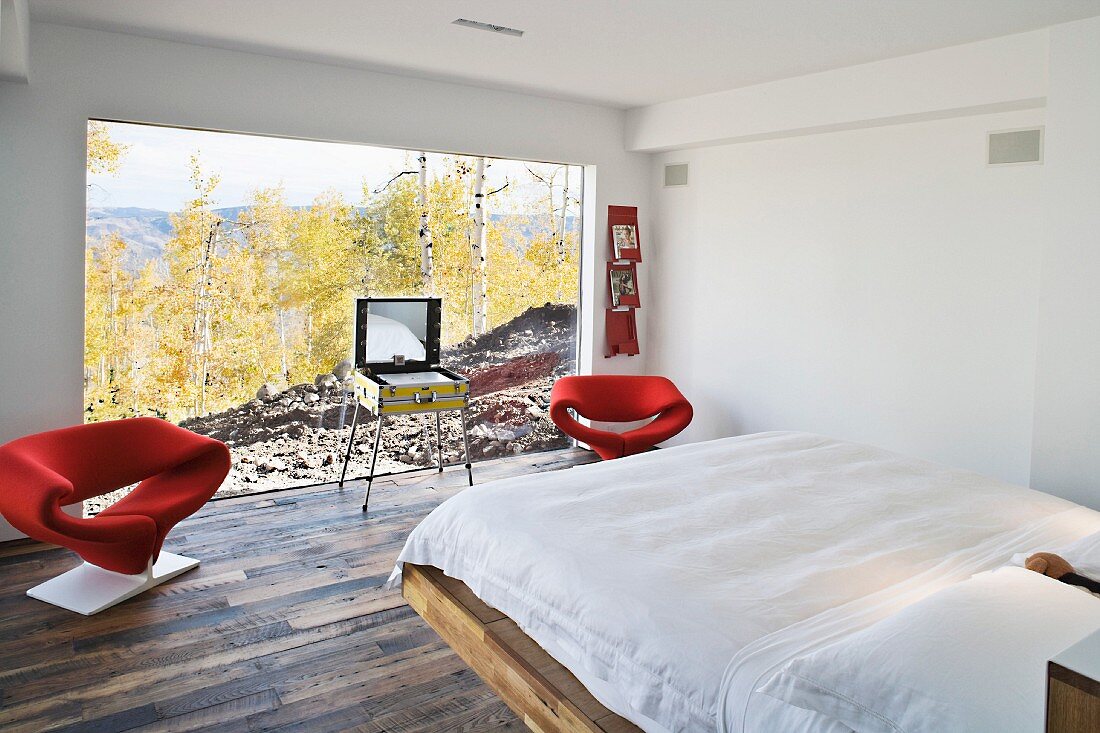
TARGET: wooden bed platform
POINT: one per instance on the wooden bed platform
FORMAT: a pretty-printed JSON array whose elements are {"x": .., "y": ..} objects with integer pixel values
[{"x": 540, "y": 691}]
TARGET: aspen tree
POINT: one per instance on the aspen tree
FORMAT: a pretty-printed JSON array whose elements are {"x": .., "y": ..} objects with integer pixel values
[
  {"x": 564, "y": 215},
  {"x": 425, "y": 232},
  {"x": 104, "y": 154},
  {"x": 479, "y": 291}
]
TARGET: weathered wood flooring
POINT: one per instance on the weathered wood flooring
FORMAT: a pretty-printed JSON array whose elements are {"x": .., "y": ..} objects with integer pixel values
[{"x": 284, "y": 626}]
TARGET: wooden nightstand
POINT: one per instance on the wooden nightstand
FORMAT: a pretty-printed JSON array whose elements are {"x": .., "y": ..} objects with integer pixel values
[{"x": 1073, "y": 688}]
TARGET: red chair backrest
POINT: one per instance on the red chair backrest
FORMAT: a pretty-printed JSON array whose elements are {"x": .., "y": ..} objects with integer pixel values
[
  {"x": 101, "y": 457},
  {"x": 616, "y": 397}
]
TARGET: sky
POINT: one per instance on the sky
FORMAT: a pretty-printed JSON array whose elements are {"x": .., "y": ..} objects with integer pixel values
[{"x": 154, "y": 171}]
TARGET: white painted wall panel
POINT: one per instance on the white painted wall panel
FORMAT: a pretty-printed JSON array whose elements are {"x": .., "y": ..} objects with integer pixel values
[
  {"x": 995, "y": 75},
  {"x": 1066, "y": 454},
  {"x": 878, "y": 285}
]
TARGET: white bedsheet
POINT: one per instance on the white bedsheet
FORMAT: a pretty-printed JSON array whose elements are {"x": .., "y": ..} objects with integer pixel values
[
  {"x": 647, "y": 575},
  {"x": 386, "y": 337}
]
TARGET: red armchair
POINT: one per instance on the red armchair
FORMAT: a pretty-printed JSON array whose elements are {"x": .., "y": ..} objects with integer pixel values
[
  {"x": 178, "y": 472},
  {"x": 619, "y": 398}
]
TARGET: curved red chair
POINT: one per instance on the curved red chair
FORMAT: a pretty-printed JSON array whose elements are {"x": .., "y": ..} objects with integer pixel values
[
  {"x": 619, "y": 398},
  {"x": 176, "y": 471}
]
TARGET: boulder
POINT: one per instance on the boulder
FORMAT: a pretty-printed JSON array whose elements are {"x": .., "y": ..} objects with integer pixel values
[
  {"x": 270, "y": 465},
  {"x": 343, "y": 369},
  {"x": 266, "y": 392},
  {"x": 325, "y": 381}
]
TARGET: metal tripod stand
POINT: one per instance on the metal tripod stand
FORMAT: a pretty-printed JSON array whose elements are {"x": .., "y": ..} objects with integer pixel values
[{"x": 378, "y": 442}]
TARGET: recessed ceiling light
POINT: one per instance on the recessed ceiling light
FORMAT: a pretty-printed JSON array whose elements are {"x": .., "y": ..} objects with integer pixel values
[{"x": 488, "y": 27}]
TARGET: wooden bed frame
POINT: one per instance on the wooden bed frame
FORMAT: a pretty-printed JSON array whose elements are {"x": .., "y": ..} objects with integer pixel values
[{"x": 540, "y": 691}]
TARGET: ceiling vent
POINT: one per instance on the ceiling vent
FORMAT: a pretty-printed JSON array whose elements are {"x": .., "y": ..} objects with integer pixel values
[
  {"x": 676, "y": 174},
  {"x": 1013, "y": 147},
  {"x": 503, "y": 29}
]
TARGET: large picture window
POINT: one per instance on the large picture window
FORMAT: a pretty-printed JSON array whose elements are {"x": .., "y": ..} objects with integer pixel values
[{"x": 221, "y": 271}]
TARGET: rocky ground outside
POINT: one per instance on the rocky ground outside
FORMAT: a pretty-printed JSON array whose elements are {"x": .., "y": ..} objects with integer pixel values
[{"x": 297, "y": 436}]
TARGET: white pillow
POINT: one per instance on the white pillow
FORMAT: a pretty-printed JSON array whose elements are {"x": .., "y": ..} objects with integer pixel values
[{"x": 971, "y": 657}]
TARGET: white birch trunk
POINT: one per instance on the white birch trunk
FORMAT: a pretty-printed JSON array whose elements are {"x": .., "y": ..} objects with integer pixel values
[
  {"x": 284, "y": 367},
  {"x": 202, "y": 337},
  {"x": 112, "y": 326},
  {"x": 477, "y": 252},
  {"x": 564, "y": 213},
  {"x": 425, "y": 233},
  {"x": 131, "y": 352},
  {"x": 309, "y": 336},
  {"x": 470, "y": 269},
  {"x": 207, "y": 339}
]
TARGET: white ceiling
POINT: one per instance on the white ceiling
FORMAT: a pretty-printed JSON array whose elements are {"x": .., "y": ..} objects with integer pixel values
[{"x": 624, "y": 53}]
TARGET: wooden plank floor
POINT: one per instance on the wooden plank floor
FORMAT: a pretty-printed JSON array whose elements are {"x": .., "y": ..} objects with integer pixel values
[{"x": 284, "y": 626}]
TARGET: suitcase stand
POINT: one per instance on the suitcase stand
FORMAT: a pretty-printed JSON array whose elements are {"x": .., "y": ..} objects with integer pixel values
[{"x": 436, "y": 391}]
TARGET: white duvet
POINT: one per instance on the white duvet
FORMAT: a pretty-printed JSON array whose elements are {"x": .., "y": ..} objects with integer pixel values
[
  {"x": 971, "y": 657},
  {"x": 387, "y": 337},
  {"x": 673, "y": 582}
]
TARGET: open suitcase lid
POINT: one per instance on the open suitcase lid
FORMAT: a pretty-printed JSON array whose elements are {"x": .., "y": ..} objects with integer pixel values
[{"x": 397, "y": 335}]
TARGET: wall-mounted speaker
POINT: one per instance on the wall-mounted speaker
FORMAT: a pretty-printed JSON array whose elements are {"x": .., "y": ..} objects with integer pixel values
[
  {"x": 676, "y": 174},
  {"x": 1015, "y": 146}
]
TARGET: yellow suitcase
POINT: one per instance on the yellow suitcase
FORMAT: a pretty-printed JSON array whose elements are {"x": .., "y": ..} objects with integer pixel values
[{"x": 410, "y": 392}]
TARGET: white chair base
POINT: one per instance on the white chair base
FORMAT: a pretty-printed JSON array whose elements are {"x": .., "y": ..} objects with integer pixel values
[{"x": 89, "y": 589}]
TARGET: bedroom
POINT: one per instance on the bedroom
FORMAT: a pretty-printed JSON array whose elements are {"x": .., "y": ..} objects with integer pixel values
[{"x": 843, "y": 261}]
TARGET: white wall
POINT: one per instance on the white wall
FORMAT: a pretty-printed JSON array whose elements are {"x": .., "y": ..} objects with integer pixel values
[
  {"x": 1066, "y": 454},
  {"x": 997, "y": 75},
  {"x": 881, "y": 283},
  {"x": 15, "y": 23},
  {"x": 878, "y": 285},
  {"x": 77, "y": 74}
]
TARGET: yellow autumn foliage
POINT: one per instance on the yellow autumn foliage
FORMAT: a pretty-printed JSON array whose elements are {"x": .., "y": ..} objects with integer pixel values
[
  {"x": 104, "y": 155},
  {"x": 267, "y": 297}
]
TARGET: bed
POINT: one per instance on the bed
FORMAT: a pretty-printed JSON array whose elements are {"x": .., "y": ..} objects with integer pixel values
[
  {"x": 387, "y": 337},
  {"x": 672, "y": 585}
]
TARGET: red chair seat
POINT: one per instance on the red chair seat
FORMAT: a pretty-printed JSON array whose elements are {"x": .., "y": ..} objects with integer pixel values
[
  {"x": 619, "y": 398},
  {"x": 177, "y": 471}
]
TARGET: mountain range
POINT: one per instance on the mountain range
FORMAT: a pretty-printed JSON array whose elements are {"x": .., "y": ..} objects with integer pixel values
[{"x": 147, "y": 230}]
